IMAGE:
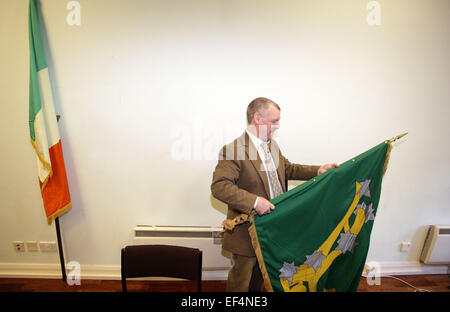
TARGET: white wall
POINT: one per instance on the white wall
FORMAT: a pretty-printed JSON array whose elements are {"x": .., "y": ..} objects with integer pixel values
[{"x": 135, "y": 73}]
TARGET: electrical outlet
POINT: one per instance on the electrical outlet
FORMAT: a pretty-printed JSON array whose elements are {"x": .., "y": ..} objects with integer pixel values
[
  {"x": 32, "y": 246},
  {"x": 405, "y": 246},
  {"x": 218, "y": 237},
  {"x": 18, "y": 246},
  {"x": 47, "y": 246}
]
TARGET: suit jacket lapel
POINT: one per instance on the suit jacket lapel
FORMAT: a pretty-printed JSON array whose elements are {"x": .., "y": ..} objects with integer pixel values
[{"x": 250, "y": 155}]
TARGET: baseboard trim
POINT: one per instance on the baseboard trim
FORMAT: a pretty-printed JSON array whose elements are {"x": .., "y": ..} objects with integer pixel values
[
  {"x": 103, "y": 272},
  {"x": 96, "y": 272},
  {"x": 410, "y": 268},
  {"x": 30, "y": 270}
]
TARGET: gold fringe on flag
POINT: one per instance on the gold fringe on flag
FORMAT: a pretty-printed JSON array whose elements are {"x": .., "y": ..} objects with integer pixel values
[
  {"x": 388, "y": 152},
  {"x": 58, "y": 213},
  {"x": 259, "y": 255}
]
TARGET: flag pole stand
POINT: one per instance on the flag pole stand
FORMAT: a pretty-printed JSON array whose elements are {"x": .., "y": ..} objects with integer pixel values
[{"x": 60, "y": 249}]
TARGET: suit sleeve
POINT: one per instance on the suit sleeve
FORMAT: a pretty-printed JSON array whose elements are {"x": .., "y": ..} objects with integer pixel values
[
  {"x": 299, "y": 172},
  {"x": 224, "y": 186}
]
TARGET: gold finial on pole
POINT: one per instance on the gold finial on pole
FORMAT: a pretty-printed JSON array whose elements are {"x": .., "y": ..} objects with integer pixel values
[
  {"x": 397, "y": 137},
  {"x": 388, "y": 152}
]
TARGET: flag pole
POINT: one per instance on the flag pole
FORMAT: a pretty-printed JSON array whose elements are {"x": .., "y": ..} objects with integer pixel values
[
  {"x": 58, "y": 236},
  {"x": 60, "y": 249}
]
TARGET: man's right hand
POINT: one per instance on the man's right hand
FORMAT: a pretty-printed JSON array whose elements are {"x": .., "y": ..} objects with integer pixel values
[{"x": 263, "y": 206}]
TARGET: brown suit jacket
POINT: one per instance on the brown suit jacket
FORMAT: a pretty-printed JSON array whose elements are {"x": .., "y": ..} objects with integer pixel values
[{"x": 238, "y": 180}]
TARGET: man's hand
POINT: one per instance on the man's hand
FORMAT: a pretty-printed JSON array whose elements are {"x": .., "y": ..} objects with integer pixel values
[
  {"x": 263, "y": 206},
  {"x": 326, "y": 167}
]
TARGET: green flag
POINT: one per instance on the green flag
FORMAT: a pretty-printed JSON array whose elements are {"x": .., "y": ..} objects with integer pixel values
[{"x": 318, "y": 236}]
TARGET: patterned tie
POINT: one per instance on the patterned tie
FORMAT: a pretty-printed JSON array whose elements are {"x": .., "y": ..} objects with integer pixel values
[{"x": 272, "y": 173}]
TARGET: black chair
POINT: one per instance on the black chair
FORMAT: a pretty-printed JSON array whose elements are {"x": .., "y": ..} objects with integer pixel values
[{"x": 163, "y": 261}]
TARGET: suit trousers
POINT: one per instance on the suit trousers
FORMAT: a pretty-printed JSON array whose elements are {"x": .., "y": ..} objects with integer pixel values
[{"x": 244, "y": 275}]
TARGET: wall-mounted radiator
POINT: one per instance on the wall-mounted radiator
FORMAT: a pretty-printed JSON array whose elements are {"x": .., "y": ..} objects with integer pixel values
[
  {"x": 207, "y": 239},
  {"x": 436, "y": 248}
]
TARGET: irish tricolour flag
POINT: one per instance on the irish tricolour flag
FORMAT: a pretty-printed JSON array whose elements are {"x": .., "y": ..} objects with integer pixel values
[{"x": 44, "y": 127}]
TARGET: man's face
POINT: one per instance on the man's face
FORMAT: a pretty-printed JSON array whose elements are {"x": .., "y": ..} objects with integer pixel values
[{"x": 267, "y": 121}]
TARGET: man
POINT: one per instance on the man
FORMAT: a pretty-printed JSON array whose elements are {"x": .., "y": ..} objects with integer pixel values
[{"x": 251, "y": 170}]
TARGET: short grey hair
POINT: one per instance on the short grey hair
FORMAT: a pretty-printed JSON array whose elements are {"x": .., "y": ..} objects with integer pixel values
[{"x": 256, "y": 105}]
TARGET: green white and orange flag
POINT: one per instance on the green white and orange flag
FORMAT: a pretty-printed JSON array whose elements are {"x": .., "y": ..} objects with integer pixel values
[{"x": 44, "y": 131}]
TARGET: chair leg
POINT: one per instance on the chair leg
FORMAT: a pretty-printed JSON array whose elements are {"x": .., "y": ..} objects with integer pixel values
[{"x": 200, "y": 260}]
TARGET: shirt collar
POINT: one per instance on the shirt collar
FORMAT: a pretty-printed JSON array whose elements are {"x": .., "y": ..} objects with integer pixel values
[{"x": 256, "y": 141}]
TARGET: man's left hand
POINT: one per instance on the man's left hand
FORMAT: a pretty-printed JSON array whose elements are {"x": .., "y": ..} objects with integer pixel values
[{"x": 326, "y": 167}]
